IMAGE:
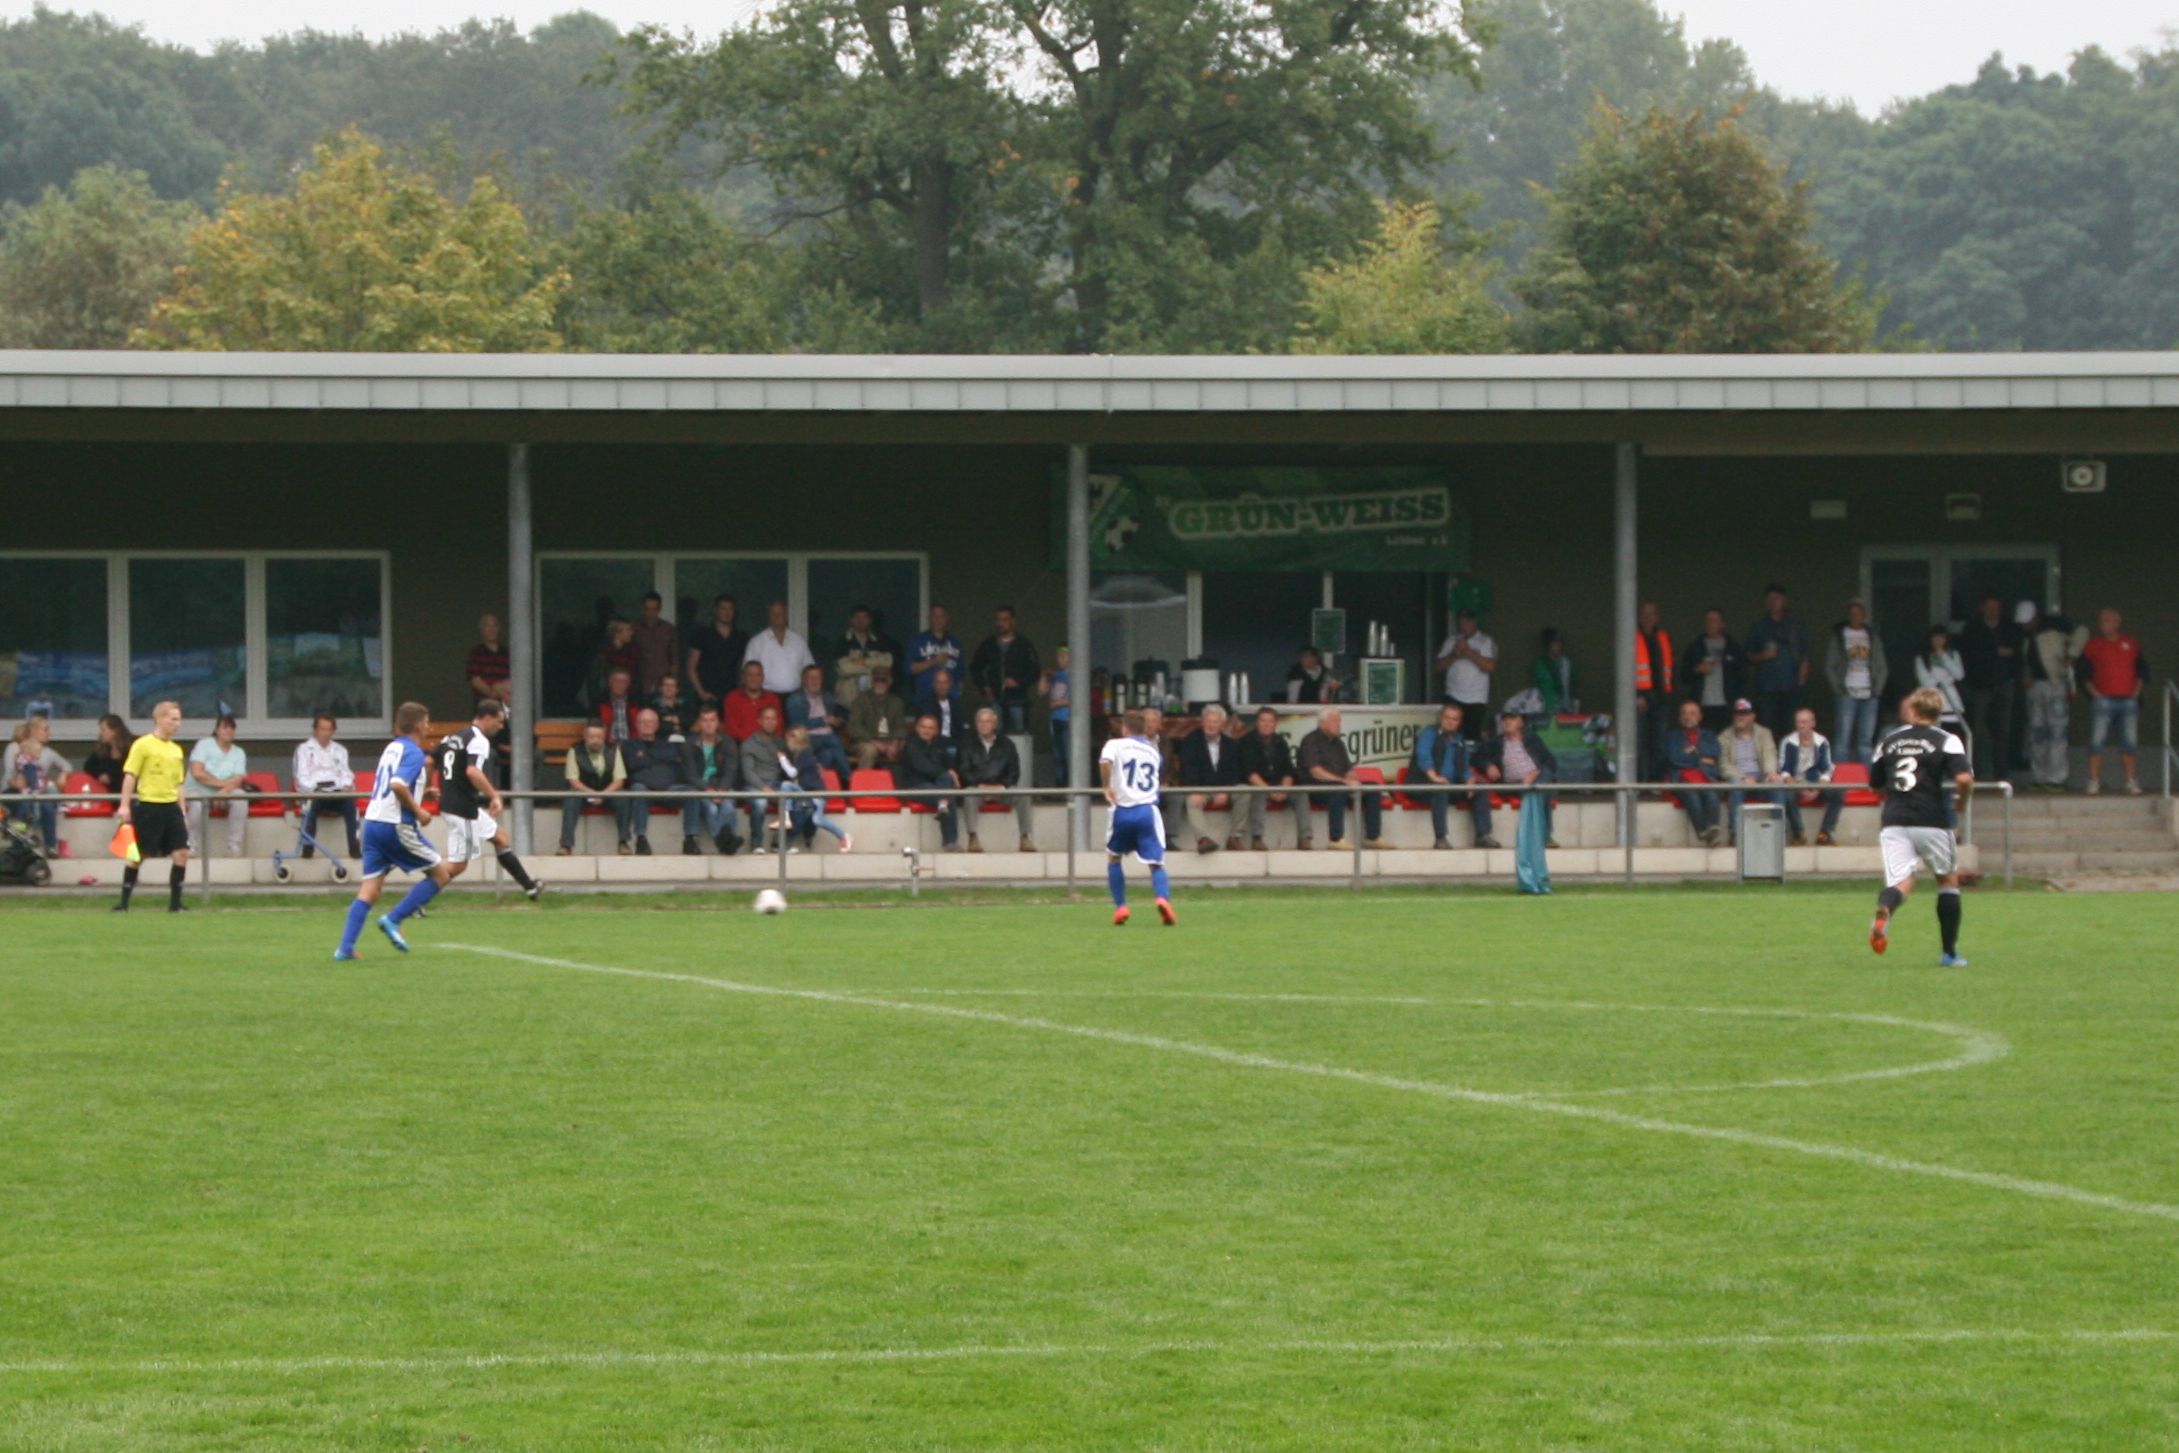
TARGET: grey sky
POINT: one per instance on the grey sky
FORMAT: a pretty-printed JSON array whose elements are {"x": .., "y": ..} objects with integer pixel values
[{"x": 1869, "y": 51}]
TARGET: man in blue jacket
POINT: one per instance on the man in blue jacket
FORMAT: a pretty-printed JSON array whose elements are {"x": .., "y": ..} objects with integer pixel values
[
  {"x": 1691, "y": 755},
  {"x": 1442, "y": 759}
]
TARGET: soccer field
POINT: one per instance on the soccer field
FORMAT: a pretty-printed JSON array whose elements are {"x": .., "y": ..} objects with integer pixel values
[{"x": 1314, "y": 1170}]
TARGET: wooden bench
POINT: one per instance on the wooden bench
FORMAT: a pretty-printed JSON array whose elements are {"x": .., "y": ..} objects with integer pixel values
[{"x": 555, "y": 738}]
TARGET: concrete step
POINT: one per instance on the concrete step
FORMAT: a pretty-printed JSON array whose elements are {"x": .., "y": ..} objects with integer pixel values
[
  {"x": 2068, "y": 840},
  {"x": 2049, "y": 864}
]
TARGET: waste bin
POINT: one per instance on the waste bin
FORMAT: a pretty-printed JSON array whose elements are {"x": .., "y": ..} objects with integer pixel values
[{"x": 1762, "y": 842}]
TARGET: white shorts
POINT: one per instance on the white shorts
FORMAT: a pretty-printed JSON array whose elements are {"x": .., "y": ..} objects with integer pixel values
[
  {"x": 1906, "y": 849},
  {"x": 470, "y": 838}
]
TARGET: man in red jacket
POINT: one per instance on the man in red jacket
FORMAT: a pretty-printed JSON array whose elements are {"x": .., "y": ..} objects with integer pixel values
[{"x": 746, "y": 703}]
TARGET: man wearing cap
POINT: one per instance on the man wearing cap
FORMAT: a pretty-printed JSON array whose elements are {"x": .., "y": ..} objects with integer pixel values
[
  {"x": 877, "y": 723},
  {"x": 2053, "y": 646},
  {"x": 1748, "y": 753},
  {"x": 1515, "y": 756}
]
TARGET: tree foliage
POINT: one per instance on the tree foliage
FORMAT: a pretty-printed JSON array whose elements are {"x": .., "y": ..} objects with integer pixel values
[
  {"x": 2022, "y": 210},
  {"x": 1178, "y": 161},
  {"x": 1675, "y": 233},
  {"x": 362, "y": 256},
  {"x": 82, "y": 266},
  {"x": 1536, "y": 90},
  {"x": 1404, "y": 294},
  {"x": 1125, "y": 175}
]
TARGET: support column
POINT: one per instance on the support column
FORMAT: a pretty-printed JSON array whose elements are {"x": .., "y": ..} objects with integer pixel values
[
  {"x": 1625, "y": 607},
  {"x": 521, "y": 642},
  {"x": 1078, "y": 635}
]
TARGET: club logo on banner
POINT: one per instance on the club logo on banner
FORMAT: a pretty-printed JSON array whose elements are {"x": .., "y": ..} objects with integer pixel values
[{"x": 1160, "y": 517}]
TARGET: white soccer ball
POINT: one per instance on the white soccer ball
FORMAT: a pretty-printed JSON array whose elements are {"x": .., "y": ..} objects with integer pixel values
[{"x": 770, "y": 900}]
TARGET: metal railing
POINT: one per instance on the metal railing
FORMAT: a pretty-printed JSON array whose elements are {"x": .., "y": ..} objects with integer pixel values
[
  {"x": 1081, "y": 799},
  {"x": 2171, "y": 748}
]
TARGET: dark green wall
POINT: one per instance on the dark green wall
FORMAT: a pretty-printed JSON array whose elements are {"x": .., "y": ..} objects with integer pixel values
[{"x": 1714, "y": 530}]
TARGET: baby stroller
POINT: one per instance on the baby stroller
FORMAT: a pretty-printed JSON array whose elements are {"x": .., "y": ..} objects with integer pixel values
[
  {"x": 303, "y": 842},
  {"x": 20, "y": 860}
]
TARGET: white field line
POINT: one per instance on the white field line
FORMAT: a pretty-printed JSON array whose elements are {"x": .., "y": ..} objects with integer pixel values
[
  {"x": 1456, "y": 1346},
  {"x": 1976, "y": 1046},
  {"x": 1749, "y": 1139}
]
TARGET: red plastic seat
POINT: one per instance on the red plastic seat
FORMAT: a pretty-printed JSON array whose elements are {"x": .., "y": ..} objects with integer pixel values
[
  {"x": 998, "y": 804},
  {"x": 873, "y": 779},
  {"x": 366, "y": 783},
  {"x": 1684, "y": 774},
  {"x": 78, "y": 782},
  {"x": 1857, "y": 772},
  {"x": 265, "y": 782},
  {"x": 832, "y": 784},
  {"x": 1402, "y": 799}
]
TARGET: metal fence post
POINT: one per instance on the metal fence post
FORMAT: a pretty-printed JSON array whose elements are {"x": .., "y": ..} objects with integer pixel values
[{"x": 1354, "y": 830}]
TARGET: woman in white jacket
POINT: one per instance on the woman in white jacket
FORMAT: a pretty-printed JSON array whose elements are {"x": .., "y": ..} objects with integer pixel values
[{"x": 1939, "y": 666}]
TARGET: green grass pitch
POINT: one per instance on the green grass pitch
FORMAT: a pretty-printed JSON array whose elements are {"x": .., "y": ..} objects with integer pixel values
[{"x": 1314, "y": 1170}]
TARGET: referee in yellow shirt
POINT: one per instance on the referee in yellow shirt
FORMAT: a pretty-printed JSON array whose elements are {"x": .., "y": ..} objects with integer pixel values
[{"x": 151, "y": 790}]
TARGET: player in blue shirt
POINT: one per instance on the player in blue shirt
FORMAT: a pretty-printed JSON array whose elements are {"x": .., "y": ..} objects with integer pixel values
[
  {"x": 1132, "y": 767},
  {"x": 393, "y": 836}
]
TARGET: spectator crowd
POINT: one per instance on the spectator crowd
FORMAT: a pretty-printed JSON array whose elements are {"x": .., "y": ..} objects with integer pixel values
[{"x": 682, "y": 719}]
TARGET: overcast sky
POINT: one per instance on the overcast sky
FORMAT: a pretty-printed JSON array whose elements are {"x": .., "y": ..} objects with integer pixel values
[{"x": 1868, "y": 51}]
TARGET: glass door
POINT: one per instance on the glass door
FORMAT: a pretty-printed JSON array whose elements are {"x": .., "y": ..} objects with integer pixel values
[{"x": 1910, "y": 588}]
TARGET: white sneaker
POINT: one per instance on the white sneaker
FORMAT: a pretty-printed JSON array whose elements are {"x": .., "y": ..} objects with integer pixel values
[
  {"x": 2095, "y": 787},
  {"x": 847, "y": 842}
]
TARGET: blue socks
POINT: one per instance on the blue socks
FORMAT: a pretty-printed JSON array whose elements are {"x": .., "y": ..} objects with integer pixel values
[
  {"x": 423, "y": 892},
  {"x": 358, "y": 911},
  {"x": 1116, "y": 875},
  {"x": 1159, "y": 883}
]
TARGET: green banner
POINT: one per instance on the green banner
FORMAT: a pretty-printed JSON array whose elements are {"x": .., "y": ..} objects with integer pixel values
[{"x": 1176, "y": 517}]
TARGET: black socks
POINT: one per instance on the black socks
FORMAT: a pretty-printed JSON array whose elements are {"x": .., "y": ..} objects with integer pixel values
[
  {"x": 174, "y": 887},
  {"x": 516, "y": 871},
  {"x": 1890, "y": 899},
  {"x": 1948, "y": 918},
  {"x": 128, "y": 885}
]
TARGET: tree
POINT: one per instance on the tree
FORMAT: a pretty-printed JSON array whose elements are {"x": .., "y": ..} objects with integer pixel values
[
  {"x": 1200, "y": 142},
  {"x": 2021, "y": 210},
  {"x": 1674, "y": 233},
  {"x": 668, "y": 276},
  {"x": 81, "y": 268},
  {"x": 1535, "y": 93},
  {"x": 883, "y": 124},
  {"x": 1403, "y": 295},
  {"x": 363, "y": 256}
]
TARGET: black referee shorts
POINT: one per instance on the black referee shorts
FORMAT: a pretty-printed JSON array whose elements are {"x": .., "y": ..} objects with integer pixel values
[{"x": 160, "y": 828}]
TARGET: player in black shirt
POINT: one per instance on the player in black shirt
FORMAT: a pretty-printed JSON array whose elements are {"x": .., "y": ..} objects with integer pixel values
[
  {"x": 470, "y": 802},
  {"x": 1917, "y": 768}
]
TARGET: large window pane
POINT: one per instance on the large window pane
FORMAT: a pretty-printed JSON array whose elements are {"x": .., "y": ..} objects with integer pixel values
[
  {"x": 754, "y": 584},
  {"x": 323, "y": 645},
  {"x": 575, "y": 600},
  {"x": 893, "y": 589},
  {"x": 52, "y": 638},
  {"x": 186, "y": 635},
  {"x": 1137, "y": 618},
  {"x": 1257, "y": 621}
]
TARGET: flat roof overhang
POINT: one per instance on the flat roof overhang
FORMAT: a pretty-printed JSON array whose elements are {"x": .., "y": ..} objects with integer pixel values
[{"x": 1802, "y": 404}]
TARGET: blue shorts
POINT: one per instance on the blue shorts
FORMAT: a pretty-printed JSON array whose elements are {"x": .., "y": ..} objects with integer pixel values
[
  {"x": 2118, "y": 716},
  {"x": 389, "y": 845},
  {"x": 1137, "y": 830}
]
